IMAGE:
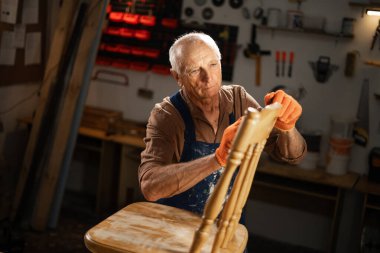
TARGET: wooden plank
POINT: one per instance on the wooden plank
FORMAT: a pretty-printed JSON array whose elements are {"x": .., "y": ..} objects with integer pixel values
[
  {"x": 366, "y": 186},
  {"x": 319, "y": 175},
  {"x": 58, "y": 45},
  {"x": 91, "y": 34}
]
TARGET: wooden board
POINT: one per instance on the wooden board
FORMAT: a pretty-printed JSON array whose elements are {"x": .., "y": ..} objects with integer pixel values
[
  {"x": 93, "y": 22},
  {"x": 58, "y": 45}
]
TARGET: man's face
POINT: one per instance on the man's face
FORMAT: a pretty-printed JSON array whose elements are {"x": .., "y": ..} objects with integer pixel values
[{"x": 201, "y": 73}]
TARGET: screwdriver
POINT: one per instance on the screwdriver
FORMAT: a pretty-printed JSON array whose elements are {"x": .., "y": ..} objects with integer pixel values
[
  {"x": 291, "y": 59},
  {"x": 283, "y": 63},
  {"x": 277, "y": 63}
]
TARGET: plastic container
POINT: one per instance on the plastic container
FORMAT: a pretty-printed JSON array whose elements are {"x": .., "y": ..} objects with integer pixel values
[
  {"x": 310, "y": 161},
  {"x": 340, "y": 146},
  {"x": 341, "y": 127},
  {"x": 337, "y": 165}
]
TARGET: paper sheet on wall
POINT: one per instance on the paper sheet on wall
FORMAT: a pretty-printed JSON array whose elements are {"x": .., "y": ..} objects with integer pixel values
[
  {"x": 8, "y": 11},
  {"x": 30, "y": 12},
  {"x": 7, "y": 49},
  {"x": 19, "y": 36},
  {"x": 33, "y": 48}
]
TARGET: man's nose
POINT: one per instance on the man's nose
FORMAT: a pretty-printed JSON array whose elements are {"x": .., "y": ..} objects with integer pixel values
[{"x": 205, "y": 75}]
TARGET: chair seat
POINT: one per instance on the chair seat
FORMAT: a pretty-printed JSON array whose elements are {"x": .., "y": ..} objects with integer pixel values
[{"x": 151, "y": 227}]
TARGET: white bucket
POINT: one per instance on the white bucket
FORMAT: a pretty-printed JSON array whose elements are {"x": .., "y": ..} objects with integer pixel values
[
  {"x": 337, "y": 164},
  {"x": 310, "y": 161}
]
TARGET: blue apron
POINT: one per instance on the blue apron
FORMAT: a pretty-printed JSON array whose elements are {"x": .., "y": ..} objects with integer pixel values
[{"x": 194, "y": 199}]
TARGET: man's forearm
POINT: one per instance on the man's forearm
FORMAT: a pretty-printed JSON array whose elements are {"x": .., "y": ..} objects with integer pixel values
[{"x": 166, "y": 181}]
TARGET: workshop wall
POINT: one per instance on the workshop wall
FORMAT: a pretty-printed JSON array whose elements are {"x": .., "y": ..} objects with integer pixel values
[{"x": 339, "y": 95}]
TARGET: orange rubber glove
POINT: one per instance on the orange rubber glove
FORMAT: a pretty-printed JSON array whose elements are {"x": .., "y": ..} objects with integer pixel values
[
  {"x": 290, "y": 112},
  {"x": 221, "y": 152}
]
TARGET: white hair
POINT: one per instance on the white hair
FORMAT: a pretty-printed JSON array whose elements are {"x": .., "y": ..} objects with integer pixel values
[{"x": 175, "y": 51}]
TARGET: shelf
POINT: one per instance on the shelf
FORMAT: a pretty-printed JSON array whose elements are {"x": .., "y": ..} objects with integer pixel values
[
  {"x": 306, "y": 31},
  {"x": 366, "y": 186},
  {"x": 373, "y": 63},
  {"x": 355, "y": 4}
]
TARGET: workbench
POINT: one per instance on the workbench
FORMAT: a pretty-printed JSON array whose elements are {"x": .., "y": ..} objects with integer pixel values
[
  {"x": 111, "y": 158},
  {"x": 302, "y": 189},
  {"x": 113, "y": 166},
  {"x": 370, "y": 212}
]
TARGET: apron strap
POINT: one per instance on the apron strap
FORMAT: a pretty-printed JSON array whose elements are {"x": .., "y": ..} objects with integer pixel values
[{"x": 181, "y": 106}]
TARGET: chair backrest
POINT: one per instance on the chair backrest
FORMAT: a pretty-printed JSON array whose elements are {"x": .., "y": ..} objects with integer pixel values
[{"x": 247, "y": 147}]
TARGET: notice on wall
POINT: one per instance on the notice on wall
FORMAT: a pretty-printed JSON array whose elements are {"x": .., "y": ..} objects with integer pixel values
[
  {"x": 8, "y": 11},
  {"x": 30, "y": 12},
  {"x": 33, "y": 48},
  {"x": 7, "y": 49}
]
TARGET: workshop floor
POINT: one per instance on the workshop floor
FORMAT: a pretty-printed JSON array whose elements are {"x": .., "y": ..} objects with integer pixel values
[{"x": 68, "y": 237}]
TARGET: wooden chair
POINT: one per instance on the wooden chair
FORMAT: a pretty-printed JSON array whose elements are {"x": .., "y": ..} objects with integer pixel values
[{"x": 151, "y": 227}]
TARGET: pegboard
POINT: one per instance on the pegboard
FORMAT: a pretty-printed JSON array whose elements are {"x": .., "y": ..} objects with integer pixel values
[{"x": 138, "y": 35}]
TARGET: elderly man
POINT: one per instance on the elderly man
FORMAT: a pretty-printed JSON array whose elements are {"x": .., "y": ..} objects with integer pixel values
[{"x": 189, "y": 134}]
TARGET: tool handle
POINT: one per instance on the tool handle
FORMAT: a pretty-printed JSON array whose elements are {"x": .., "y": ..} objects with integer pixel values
[
  {"x": 253, "y": 34},
  {"x": 284, "y": 56},
  {"x": 258, "y": 70},
  {"x": 291, "y": 57},
  {"x": 283, "y": 63},
  {"x": 277, "y": 63}
]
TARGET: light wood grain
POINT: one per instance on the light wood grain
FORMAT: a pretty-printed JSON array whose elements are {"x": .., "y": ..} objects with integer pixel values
[{"x": 150, "y": 227}]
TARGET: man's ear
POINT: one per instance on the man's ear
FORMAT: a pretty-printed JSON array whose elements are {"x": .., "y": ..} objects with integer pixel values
[{"x": 175, "y": 75}]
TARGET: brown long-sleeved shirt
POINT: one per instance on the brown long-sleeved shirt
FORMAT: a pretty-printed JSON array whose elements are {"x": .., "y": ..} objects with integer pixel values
[{"x": 165, "y": 131}]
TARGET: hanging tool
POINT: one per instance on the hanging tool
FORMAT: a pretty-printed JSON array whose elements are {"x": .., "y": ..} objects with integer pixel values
[
  {"x": 361, "y": 127},
  {"x": 235, "y": 4},
  {"x": 290, "y": 67},
  {"x": 207, "y": 13},
  {"x": 218, "y": 3},
  {"x": 323, "y": 69},
  {"x": 377, "y": 34},
  {"x": 283, "y": 61},
  {"x": 277, "y": 63},
  {"x": 253, "y": 51}
]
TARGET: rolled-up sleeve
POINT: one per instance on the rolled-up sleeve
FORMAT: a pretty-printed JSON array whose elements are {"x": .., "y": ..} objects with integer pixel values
[{"x": 161, "y": 145}]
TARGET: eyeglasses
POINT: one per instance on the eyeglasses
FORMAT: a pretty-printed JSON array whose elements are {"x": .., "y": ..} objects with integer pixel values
[{"x": 195, "y": 72}]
